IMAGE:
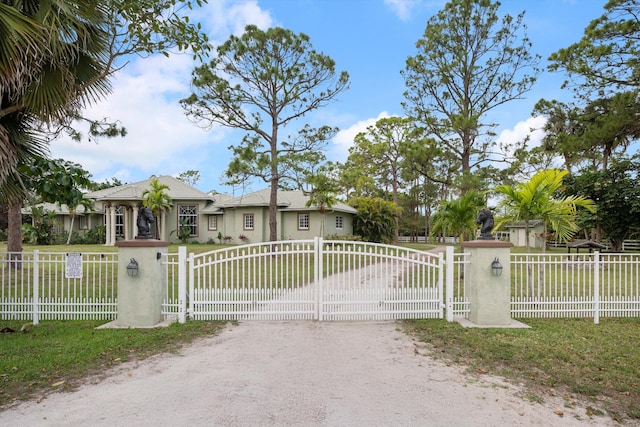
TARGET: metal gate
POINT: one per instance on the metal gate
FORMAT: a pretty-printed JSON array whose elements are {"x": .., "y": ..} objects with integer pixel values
[{"x": 316, "y": 280}]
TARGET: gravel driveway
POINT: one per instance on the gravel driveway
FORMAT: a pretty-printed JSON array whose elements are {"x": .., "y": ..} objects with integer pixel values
[{"x": 296, "y": 374}]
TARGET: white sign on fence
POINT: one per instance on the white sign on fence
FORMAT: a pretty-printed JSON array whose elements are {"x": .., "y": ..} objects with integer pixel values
[{"x": 74, "y": 266}]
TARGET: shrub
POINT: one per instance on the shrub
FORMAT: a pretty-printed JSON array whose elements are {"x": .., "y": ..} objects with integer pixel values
[{"x": 349, "y": 237}]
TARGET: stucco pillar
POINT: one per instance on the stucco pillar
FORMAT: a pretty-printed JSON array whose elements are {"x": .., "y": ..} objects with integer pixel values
[
  {"x": 112, "y": 229},
  {"x": 163, "y": 226},
  {"x": 126, "y": 223},
  {"x": 107, "y": 226},
  {"x": 489, "y": 295},
  {"x": 140, "y": 298},
  {"x": 134, "y": 221}
]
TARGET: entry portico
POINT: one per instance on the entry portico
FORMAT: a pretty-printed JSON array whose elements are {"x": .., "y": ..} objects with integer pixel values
[{"x": 120, "y": 206}]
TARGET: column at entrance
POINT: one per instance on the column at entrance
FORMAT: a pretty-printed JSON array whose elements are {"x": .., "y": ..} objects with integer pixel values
[
  {"x": 112, "y": 229},
  {"x": 134, "y": 219},
  {"x": 107, "y": 226},
  {"x": 163, "y": 222},
  {"x": 126, "y": 222}
]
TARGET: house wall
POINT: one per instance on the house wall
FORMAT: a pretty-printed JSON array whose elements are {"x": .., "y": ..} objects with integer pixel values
[
  {"x": 517, "y": 236},
  {"x": 64, "y": 223},
  {"x": 347, "y": 224},
  {"x": 289, "y": 228},
  {"x": 231, "y": 223}
]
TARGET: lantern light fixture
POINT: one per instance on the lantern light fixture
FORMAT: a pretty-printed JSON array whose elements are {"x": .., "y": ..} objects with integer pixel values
[
  {"x": 496, "y": 267},
  {"x": 132, "y": 268}
]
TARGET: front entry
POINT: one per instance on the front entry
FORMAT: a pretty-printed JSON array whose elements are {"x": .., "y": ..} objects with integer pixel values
[{"x": 316, "y": 280}]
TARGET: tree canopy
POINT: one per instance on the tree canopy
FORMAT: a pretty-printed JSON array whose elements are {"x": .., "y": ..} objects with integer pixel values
[
  {"x": 261, "y": 82},
  {"x": 469, "y": 62},
  {"x": 607, "y": 56},
  {"x": 617, "y": 194}
]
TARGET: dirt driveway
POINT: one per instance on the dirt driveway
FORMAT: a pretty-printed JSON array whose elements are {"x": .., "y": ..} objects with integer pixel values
[{"x": 296, "y": 374}]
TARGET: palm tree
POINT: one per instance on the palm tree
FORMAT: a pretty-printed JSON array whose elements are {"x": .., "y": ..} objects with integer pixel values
[
  {"x": 537, "y": 199},
  {"x": 458, "y": 217},
  {"x": 322, "y": 196},
  {"x": 156, "y": 199},
  {"x": 52, "y": 62}
]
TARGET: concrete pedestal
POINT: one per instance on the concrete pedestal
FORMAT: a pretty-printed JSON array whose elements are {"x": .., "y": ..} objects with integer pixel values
[
  {"x": 489, "y": 296},
  {"x": 140, "y": 297}
]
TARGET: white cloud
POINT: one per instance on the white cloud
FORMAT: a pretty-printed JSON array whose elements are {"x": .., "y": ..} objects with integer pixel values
[
  {"x": 145, "y": 99},
  {"x": 344, "y": 138},
  {"x": 532, "y": 127},
  {"x": 159, "y": 135},
  {"x": 405, "y": 9},
  {"x": 226, "y": 17},
  {"x": 402, "y": 8}
]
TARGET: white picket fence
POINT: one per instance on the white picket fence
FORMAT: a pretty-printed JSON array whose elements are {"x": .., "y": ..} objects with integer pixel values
[
  {"x": 575, "y": 285},
  {"x": 46, "y": 286}
]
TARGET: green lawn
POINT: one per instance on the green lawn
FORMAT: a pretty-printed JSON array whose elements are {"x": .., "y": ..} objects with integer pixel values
[
  {"x": 573, "y": 358},
  {"x": 58, "y": 355}
]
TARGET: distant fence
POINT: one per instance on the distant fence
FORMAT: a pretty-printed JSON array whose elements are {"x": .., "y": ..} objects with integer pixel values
[
  {"x": 627, "y": 245},
  {"x": 431, "y": 240}
]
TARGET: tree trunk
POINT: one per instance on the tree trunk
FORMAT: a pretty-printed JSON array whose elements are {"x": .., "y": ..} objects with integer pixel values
[
  {"x": 275, "y": 178},
  {"x": 273, "y": 211},
  {"x": 70, "y": 227},
  {"x": 14, "y": 232},
  {"x": 14, "y": 216},
  {"x": 529, "y": 267}
]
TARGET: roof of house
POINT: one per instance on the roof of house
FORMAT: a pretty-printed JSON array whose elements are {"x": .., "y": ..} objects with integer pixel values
[
  {"x": 58, "y": 209},
  {"x": 178, "y": 190},
  {"x": 523, "y": 224},
  {"x": 216, "y": 203},
  {"x": 295, "y": 200}
]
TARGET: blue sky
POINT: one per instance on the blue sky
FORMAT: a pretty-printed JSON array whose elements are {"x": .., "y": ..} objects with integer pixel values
[{"x": 370, "y": 39}]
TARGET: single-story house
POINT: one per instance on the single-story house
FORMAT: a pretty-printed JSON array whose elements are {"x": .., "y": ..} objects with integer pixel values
[
  {"x": 243, "y": 219},
  {"x": 517, "y": 233}
]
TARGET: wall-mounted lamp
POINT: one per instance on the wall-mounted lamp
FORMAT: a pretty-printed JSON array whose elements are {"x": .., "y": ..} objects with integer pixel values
[
  {"x": 132, "y": 268},
  {"x": 496, "y": 267}
]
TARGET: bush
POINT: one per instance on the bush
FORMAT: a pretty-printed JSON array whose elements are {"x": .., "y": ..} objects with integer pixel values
[
  {"x": 375, "y": 220},
  {"x": 95, "y": 236},
  {"x": 349, "y": 237},
  {"x": 41, "y": 231}
]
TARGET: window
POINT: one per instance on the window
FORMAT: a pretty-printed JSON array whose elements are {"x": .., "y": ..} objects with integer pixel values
[
  {"x": 188, "y": 215},
  {"x": 339, "y": 222},
  {"x": 58, "y": 226},
  {"x": 83, "y": 222},
  {"x": 303, "y": 221},
  {"x": 248, "y": 221},
  {"x": 213, "y": 222},
  {"x": 120, "y": 221}
]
